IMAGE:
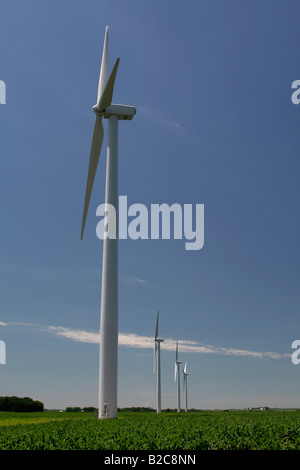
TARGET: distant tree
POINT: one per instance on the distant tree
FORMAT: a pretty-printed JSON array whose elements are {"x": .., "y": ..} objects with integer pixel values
[
  {"x": 136, "y": 408},
  {"x": 73, "y": 408},
  {"x": 20, "y": 404}
]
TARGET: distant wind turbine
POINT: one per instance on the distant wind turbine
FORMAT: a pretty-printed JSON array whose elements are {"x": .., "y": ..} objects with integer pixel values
[
  {"x": 177, "y": 376},
  {"x": 109, "y": 295},
  {"x": 157, "y": 342},
  {"x": 185, "y": 374}
]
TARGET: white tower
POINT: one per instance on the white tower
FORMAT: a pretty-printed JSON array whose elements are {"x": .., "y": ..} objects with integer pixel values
[
  {"x": 157, "y": 342},
  {"x": 177, "y": 376},
  {"x": 109, "y": 295},
  {"x": 185, "y": 375}
]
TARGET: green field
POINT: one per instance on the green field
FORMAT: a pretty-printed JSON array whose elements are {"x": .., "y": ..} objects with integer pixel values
[{"x": 202, "y": 430}]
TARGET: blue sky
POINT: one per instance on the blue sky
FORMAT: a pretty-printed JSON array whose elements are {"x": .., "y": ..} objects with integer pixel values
[{"x": 215, "y": 125}]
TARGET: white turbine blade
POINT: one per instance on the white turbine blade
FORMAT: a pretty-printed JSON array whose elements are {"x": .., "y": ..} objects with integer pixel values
[
  {"x": 94, "y": 158},
  {"x": 185, "y": 368},
  {"x": 154, "y": 356},
  {"x": 156, "y": 329},
  {"x": 104, "y": 71},
  {"x": 106, "y": 97},
  {"x": 175, "y": 373}
]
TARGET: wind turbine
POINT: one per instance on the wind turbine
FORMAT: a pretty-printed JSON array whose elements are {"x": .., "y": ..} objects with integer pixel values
[
  {"x": 109, "y": 294},
  {"x": 157, "y": 342},
  {"x": 176, "y": 375},
  {"x": 185, "y": 374}
]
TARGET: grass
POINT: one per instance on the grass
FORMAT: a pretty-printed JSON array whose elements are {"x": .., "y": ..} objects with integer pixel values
[{"x": 8, "y": 418}]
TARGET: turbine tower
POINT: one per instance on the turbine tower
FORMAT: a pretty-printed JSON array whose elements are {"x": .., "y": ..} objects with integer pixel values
[
  {"x": 185, "y": 374},
  {"x": 176, "y": 376},
  {"x": 108, "y": 368},
  {"x": 157, "y": 342}
]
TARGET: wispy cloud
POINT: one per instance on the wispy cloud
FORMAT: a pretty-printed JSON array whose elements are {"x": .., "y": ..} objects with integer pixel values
[
  {"x": 156, "y": 117},
  {"x": 132, "y": 280},
  {"x": 132, "y": 340},
  {"x": 143, "y": 281},
  {"x": 81, "y": 336}
]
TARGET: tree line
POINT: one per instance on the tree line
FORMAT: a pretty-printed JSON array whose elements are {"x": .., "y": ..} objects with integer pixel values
[
  {"x": 20, "y": 404},
  {"x": 77, "y": 408}
]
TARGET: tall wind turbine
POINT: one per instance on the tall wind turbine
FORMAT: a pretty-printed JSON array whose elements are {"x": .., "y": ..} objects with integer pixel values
[
  {"x": 109, "y": 294},
  {"x": 177, "y": 375},
  {"x": 157, "y": 342},
  {"x": 185, "y": 374}
]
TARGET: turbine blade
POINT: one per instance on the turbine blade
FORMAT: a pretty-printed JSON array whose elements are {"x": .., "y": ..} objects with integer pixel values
[
  {"x": 175, "y": 373},
  {"x": 94, "y": 158},
  {"x": 106, "y": 97},
  {"x": 156, "y": 329},
  {"x": 177, "y": 350},
  {"x": 185, "y": 368},
  {"x": 154, "y": 356},
  {"x": 104, "y": 71}
]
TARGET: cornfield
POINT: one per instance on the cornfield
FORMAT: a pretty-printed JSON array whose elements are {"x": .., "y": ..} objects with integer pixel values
[{"x": 206, "y": 430}]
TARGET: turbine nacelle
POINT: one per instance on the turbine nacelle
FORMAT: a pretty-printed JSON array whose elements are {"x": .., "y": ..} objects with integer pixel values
[{"x": 122, "y": 111}]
